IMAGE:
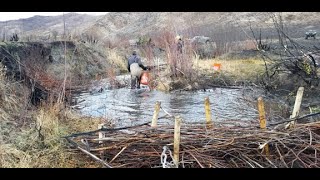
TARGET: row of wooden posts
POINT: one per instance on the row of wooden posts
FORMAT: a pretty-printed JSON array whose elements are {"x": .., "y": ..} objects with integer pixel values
[{"x": 209, "y": 123}]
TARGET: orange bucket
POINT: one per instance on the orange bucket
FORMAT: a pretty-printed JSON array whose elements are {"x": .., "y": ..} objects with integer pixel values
[
  {"x": 145, "y": 78},
  {"x": 216, "y": 66}
]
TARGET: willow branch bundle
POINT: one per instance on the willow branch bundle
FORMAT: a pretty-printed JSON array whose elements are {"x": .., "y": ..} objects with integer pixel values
[{"x": 222, "y": 147}]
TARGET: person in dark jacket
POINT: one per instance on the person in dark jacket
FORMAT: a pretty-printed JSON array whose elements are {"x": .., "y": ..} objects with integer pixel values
[
  {"x": 135, "y": 68},
  {"x": 180, "y": 44}
]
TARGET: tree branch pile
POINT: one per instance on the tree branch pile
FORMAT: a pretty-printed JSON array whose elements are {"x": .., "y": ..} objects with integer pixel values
[{"x": 200, "y": 147}]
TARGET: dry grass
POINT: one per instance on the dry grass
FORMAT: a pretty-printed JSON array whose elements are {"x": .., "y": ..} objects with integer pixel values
[
  {"x": 240, "y": 69},
  {"x": 12, "y": 97},
  {"x": 39, "y": 144},
  {"x": 116, "y": 60},
  {"x": 33, "y": 138}
]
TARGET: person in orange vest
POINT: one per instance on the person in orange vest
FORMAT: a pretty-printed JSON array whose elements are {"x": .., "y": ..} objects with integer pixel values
[{"x": 135, "y": 68}]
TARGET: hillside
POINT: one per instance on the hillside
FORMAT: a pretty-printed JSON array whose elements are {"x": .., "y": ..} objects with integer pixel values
[
  {"x": 47, "y": 25},
  {"x": 115, "y": 25},
  {"x": 132, "y": 24}
]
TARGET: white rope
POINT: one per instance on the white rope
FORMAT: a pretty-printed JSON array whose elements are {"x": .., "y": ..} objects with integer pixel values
[
  {"x": 166, "y": 112},
  {"x": 164, "y": 162}
]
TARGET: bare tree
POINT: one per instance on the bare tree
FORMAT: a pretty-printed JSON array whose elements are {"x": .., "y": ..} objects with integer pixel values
[
  {"x": 63, "y": 91},
  {"x": 55, "y": 35},
  {"x": 92, "y": 36},
  {"x": 289, "y": 57}
]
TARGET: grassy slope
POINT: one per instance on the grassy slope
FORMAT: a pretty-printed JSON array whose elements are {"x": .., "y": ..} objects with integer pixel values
[{"x": 31, "y": 137}]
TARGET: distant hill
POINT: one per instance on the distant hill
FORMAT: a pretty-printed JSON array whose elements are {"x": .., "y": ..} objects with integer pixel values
[
  {"x": 115, "y": 25},
  {"x": 45, "y": 25},
  {"x": 132, "y": 24}
]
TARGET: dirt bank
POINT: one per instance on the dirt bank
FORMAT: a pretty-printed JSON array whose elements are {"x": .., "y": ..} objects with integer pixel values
[{"x": 43, "y": 66}]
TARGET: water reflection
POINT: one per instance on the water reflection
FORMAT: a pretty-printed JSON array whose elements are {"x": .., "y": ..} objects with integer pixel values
[{"x": 130, "y": 107}]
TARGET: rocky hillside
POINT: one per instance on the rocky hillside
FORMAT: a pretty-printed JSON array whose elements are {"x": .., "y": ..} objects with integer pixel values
[
  {"x": 116, "y": 25},
  {"x": 132, "y": 24},
  {"x": 47, "y": 25}
]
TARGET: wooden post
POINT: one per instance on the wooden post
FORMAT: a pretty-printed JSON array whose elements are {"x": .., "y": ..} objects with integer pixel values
[
  {"x": 158, "y": 67},
  {"x": 155, "y": 114},
  {"x": 263, "y": 122},
  {"x": 176, "y": 141},
  {"x": 262, "y": 114},
  {"x": 101, "y": 134},
  {"x": 297, "y": 103},
  {"x": 208, "y": 112},
  {"x": 296, "y": 108}
]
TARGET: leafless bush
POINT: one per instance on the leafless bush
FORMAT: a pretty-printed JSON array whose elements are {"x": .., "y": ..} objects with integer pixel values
[
  {"x": 14, "y": 37},
  {"x": 92, "y": 36},
  {"x": 240, "y": 45},
  {"x": 290, "y": 58},
  {"x": 116, "y": 60},
  {"x": 13, "y": 98},
  {"x": 147, "y": 51},
  {"x": 180, "y": 63},
  {"x": 120, "y": 42},
  {"x": 54, "y": 35},
  {"x": 107, "y": 43}
]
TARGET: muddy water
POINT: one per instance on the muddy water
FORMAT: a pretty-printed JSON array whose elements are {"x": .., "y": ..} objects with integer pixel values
[{"x": 130, "y": 107}]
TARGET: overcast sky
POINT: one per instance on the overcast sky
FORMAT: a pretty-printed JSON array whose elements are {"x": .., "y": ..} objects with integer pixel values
[{"x": 4, "y": 16}]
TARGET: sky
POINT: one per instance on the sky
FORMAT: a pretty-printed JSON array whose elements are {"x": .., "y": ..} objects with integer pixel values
[{"x": 5, "y": 16}]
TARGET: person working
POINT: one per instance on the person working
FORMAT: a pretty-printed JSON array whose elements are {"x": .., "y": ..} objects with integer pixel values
[
  {"x": 180, "y": 44},
  {"x": 135, "y": 68}
]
